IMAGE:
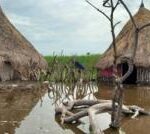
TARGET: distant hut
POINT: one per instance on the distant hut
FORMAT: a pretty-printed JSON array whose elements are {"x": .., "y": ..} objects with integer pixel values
[
  {"x": 124, "y": 42},
  {"x": 18, "y": 58}
]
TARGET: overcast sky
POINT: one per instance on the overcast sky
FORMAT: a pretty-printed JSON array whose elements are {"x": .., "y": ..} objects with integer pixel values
[{"x": 69, "y": 25}]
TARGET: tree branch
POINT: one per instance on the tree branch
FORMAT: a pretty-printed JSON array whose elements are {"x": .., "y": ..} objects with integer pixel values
[
  {"x": 98, "y": 9},
  {"x": 117, "y": 24},
  {"x": 130, "y": 68},
  {"x": 99, "y": 108},
  {"x": 131, "y": 17},
  {"x": 106, "y": 3},
  {"x": 141, "y": 28},
  {"x": 116, "y": 4}
]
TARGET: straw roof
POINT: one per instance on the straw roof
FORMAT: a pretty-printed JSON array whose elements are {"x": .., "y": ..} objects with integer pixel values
[
  {"x": 125, "y": 40},
  {"x": 17, "y": 55}
]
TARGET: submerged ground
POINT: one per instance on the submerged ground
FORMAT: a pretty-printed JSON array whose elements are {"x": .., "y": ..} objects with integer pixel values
[{"x": 31, "y": 110}]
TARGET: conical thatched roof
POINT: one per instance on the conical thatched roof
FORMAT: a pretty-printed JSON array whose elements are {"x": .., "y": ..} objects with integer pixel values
[
  {"x": 125, "y": 41},
  {"x": 17, "y": 56}
]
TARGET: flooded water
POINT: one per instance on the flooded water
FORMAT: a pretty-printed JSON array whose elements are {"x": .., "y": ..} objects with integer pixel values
[{"x": 32, "y": 111}]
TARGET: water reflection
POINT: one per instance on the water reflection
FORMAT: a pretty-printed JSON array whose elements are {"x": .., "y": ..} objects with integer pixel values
[
  {"x": 62, "y": 92},
  {"x": 74, "y": 128},
  {"x": 137, "y": 95},
  {"x": 32, "y": 111},
  {"x": 15, "y": 105},
  {"x": 134, "y": 95}
]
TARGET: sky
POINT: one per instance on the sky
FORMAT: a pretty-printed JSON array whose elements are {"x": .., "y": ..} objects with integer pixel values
[{"x": 71, "y": 26}]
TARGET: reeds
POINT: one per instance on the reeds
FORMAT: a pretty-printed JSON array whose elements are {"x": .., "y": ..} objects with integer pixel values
[{"x": 66, "y": 72}]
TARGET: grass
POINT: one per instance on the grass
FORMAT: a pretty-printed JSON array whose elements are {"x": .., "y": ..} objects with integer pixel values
[{"x": 88, "y": 61}]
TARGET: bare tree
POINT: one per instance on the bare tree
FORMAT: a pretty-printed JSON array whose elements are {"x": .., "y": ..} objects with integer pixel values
[{"x": 118, "y": 92}]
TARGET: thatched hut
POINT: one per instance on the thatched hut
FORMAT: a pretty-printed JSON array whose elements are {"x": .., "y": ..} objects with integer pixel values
[
  {"x": 18, "y": 58},
  {"x": 124, "y": 42}
]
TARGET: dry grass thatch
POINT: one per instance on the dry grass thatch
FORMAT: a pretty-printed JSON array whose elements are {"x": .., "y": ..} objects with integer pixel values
[
  {"x": 125, "y": 42},
  {"x": 17, "y": 56}
]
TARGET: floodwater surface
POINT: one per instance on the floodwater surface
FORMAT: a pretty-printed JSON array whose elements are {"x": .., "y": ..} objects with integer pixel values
[{"x": 32, "y": 111}]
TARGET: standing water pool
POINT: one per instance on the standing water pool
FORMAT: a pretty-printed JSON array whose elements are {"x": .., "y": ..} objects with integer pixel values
[{"x": 30, "y": 110}]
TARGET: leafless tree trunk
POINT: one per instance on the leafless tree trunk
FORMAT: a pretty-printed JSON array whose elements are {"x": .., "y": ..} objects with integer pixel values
[{"x": 118, "y": 92}]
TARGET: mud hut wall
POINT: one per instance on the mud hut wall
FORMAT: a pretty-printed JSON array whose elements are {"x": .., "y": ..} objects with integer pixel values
[
  {"x": 6, "y": 70},
  {"x": 143, "y": 75}
]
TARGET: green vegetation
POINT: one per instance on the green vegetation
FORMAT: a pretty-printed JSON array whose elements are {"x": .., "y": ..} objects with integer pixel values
[
  {"x": 62, "y": 68},
  {"x": 88, "y": 60}
]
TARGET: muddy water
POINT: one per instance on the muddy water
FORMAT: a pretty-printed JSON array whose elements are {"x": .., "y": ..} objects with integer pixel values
[{"x": 32, "y": 111}]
